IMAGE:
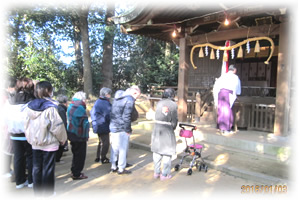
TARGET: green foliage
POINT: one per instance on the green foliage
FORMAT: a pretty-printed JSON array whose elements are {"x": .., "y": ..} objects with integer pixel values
[
  {"x": 143, "y": 61},
  {"x": 34, "y": 50}
]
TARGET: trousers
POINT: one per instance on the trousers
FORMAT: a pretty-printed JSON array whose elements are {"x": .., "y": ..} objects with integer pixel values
[
  {"x": 22, "y": 160},
  {"x": 103, "y": 145},
  {"x": 119, "y": 149},
  {"x": 79, "y": 155},
  {"x": 158, "y": 159},
  {"x": 43, "y": 172},
  {"x": 225, "y": 115}
]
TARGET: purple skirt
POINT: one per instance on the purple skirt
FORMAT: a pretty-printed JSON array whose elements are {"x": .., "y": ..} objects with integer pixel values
[{"x": 225, "y": 115}]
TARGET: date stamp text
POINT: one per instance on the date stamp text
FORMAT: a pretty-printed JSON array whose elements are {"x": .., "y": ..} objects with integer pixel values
[{"x": 264, "y": 189}]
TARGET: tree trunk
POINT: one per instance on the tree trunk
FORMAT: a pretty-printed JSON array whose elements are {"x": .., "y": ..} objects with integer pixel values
[
  {"x": 167, "y": 51},
  {"x": 87, "y": 71},
  {"x": 16, "y": 64},
  {"x": 77, "y": 48},
  {"x": 107, "y": 65}
]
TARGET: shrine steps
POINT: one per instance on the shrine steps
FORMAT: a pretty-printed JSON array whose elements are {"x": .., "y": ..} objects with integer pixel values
[{"x": 256, "y": 156}]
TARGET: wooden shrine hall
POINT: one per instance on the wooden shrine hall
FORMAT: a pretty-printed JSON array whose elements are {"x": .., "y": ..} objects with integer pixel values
[{"x": 255, "y": 38}]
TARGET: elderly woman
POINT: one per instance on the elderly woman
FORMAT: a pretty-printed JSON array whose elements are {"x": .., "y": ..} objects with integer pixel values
[
  {"x": 163, "y": 143},
  {"x": 100, "y": 115},
  {"x": 78, "y": 133}
]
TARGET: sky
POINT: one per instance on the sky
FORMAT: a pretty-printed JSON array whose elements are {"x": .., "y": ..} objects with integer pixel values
[{"x": 67, "y": 45}]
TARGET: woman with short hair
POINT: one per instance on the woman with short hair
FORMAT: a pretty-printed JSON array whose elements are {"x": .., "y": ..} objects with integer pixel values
[{"x": 100, "y": 115}]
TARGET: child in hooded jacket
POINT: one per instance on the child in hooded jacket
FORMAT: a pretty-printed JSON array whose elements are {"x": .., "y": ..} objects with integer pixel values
[{"x": 44, "y": 130}]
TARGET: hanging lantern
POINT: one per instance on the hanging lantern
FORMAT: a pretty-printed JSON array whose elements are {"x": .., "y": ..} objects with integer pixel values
[
  {"x": 212, "y": 54},
  {"x": 240, "y": 52},
  {"x": 257, "y": 47},
  {"x": 201, "y": 55},
  {"x": 225, "y": 57}
]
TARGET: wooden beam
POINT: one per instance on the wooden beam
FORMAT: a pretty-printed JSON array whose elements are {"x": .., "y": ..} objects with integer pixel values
[
  {"x": 239, "y": 33},
  {"x": 283, "y": 92},
  {"x": 244, "y": 11}
]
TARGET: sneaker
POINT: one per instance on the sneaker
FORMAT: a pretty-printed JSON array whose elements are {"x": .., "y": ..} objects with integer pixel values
[
  {"x": 128, "y": 165},
  {"x": 66, "y": 148},
  {"x": 163, "y": 178},
  {"x": 124, "y": 172},
  {"x": 30, "y": 185},
  {"x": 82, "y": 176},
  {"x": 104, "y": 160},
  {"x": 7, "y": 175},
  {"x": 22, "y": 185},
  {"x": 97, "y": 159},
  {"x": 113, "y": 170},
  {"x": 156, "y": 176}
]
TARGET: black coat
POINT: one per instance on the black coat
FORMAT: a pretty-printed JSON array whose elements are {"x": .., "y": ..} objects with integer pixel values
[
  {"x": 62, "y": 111},
  {"x": 163, "y": 136},
  {"x": 122, "y": 114}
]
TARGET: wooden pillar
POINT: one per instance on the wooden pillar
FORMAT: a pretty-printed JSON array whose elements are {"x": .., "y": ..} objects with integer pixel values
[
  {"x": 284, "y": 72},
  {"x": 182, "y": 92}
]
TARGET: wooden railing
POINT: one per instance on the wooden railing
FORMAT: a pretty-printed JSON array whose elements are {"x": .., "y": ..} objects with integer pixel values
[
  {"x": 199, "y": 98},
  {"x": 257, "y": 117},
  {"x": 262, "y": 117},
  {"x": 253, "y": 116},
  {"x": 254, "y": 91}
]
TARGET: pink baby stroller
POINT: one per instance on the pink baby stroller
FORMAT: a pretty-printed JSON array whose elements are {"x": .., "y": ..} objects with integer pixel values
[{"x": 193, "y": 150}]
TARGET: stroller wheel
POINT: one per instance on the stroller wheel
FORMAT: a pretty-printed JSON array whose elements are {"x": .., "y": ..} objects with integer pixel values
[
  {"x": 177, "y": 167},
  {"x": 189, "y": 172},
  {"x": 205, "y": 168},
  {"x": 200, "y": 168}
]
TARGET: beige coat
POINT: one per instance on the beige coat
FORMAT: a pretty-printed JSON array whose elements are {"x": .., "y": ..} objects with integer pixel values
[{"x": 44, "y": 129}]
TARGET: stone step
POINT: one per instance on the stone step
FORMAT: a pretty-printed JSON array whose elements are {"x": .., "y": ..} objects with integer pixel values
[
  {"x": 233, "y": 162},
  {"x": 251, "y": 155},
  {"x": 254, "y": 142},
  {"x": 243, "y": 165},
  {"x": 260, "y": 143}
]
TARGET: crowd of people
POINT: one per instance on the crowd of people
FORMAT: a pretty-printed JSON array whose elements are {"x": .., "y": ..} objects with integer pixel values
[{"x": 38, "y": 129}]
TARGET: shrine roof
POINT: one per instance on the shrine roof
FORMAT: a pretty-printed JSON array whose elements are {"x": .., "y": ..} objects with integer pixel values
[{"x": 195, "y": 19}]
